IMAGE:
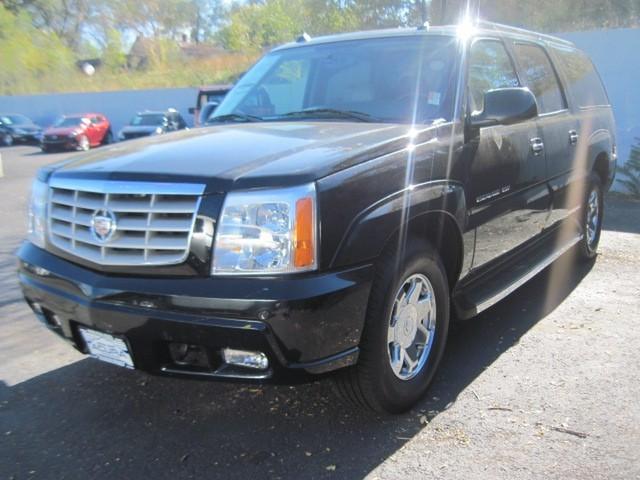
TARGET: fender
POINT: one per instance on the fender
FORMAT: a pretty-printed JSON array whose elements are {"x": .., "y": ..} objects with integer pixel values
[
  {"x": 601, "y": 141},
  {"x": 374, "y": 227}
]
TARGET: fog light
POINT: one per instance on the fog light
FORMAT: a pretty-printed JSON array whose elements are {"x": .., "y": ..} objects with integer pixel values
[{"x": 243, "y": 358}]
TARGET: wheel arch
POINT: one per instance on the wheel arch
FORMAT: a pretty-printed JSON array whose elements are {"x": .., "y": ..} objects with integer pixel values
[{"x": 434, "y": 212}]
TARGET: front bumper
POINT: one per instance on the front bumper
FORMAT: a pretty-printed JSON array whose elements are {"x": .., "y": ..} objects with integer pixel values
[
  {"x": 304, "y": 324},
  {"x": 26, "y": 138},
  {"x": 60, "y": 143}
]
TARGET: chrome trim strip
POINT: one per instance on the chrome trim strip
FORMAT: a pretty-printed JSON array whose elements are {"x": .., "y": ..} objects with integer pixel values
[
  {"x": 528, "y": 276},
  {"x": 126, "y": 187}
]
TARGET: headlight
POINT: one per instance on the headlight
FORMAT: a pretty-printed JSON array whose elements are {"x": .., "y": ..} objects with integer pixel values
[
  {"x": 267, "y": 232},
  {"x": 38, "y": 213}
]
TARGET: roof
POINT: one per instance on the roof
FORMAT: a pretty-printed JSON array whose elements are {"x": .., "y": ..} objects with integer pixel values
[{"x": 479, "y": 28}]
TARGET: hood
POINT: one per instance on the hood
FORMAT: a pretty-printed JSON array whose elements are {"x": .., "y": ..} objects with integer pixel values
[
  {"x": 62, "y": 131},
  {"x": 247, "y": 155},
  {"x": 27, "y": 127}
]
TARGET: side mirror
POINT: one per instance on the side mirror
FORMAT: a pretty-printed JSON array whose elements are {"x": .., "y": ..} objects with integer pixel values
[{"x": 505, "y": 106}]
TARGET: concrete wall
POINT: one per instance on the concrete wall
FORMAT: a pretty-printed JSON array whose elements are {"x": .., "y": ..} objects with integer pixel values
[
  {"x": 616, "y": 53},
  {"x": 119, "y": 106}
]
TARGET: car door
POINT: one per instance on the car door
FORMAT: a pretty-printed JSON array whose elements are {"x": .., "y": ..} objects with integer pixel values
[
  {"x": 507, "y": 195},
  {"x": 558, "y": 125}
]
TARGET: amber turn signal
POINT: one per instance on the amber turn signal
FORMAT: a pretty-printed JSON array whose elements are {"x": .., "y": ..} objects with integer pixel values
[{"x": 304, "y": 248}]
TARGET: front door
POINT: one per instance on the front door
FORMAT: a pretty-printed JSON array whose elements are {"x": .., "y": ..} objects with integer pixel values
[{"x": 507, "y": 194}]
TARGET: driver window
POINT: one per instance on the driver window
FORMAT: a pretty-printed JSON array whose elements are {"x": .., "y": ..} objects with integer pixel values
[{"x": 490, "y": 67}]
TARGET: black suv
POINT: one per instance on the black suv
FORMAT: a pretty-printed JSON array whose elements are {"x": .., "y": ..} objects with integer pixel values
[
  {"x": 145, "y": 124},
  {"x": 354, "y": 193}
]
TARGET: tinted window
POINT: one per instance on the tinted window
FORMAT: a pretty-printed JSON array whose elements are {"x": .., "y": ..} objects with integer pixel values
[
  {"x": 68, "y": 121},
  {"x": 490, "y": 68},
  {"x": 391, "y": 79},
  {"x": 149, "y": 119},
  {"x": 584, "y": 82},
  {"x": 540, "y": 77}
]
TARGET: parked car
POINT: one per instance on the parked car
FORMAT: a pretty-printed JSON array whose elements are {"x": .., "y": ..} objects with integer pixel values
[
  {"x": 209, "y": 95},
  {"x": 16, "y": 128},
  {"x": 77, "y": 132},
  {"x": 361, "y": 191},
  {"x": 148, "y": 123}
]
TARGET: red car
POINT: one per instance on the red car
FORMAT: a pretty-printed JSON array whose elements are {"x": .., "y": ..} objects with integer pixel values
[{"x": 77, "y": 132}]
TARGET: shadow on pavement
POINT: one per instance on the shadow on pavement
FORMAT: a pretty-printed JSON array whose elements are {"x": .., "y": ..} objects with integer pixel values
[{"x": 92, "y": 420}]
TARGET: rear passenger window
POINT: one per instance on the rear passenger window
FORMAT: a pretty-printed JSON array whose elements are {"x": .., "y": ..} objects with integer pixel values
[
  {"x": 490, "y": 68},
  {"x": 584, "y": 82},
  {"x": 540, "y": 77}
]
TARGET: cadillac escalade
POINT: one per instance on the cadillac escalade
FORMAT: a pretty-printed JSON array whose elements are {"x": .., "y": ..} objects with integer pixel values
[{"x": 353, "y": 194}]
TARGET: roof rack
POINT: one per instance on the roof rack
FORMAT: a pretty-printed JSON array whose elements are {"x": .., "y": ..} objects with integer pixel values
[{"x": 499, "y": 27}]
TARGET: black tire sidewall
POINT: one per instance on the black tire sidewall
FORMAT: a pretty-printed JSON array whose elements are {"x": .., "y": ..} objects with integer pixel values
[
  {"x": 392, "y": 393},
  {"x": 590, "y": 251}
]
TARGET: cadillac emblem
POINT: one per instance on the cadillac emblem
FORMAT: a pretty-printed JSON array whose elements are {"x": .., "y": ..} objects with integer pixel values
[{"x": 103, "y": 225}]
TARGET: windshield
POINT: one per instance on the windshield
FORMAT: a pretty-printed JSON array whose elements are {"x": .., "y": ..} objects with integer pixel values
[
  {"x": 68, "y": 122},
  {"x": 15, "y": 120},
  {"x": 398, "y": 79},
  {"x": 153, "y": 119}
]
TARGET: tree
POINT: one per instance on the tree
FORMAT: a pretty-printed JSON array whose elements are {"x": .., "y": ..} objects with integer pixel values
[{"x": 28, "y": 53}]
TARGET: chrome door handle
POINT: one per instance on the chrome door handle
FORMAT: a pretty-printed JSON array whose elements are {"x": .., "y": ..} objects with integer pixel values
[
  {"x": 537, "y": 146},
  {"x": 573, "y": 137}
]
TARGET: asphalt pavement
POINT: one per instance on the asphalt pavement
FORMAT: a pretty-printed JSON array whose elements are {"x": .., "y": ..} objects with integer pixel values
[{"x": 543, "y": 385}]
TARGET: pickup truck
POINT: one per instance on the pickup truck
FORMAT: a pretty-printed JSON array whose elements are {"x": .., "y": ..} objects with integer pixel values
[{"x": 353, "y": 195}]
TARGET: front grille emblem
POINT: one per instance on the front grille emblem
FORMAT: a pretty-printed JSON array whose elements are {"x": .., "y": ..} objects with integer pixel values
[{"x": 103, "y": 225}]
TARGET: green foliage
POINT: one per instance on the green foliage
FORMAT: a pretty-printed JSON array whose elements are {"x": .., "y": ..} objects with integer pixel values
[
  {"x": 113, "y": 56},
  {"x": 29, "y": 54},
  {"x": 631, "y": 170}
]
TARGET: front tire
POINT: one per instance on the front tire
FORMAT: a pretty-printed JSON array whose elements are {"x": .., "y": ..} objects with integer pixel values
[
  {"x": 7, "y": 140},
  {"x": 83, "y": 143},
  {"x": 592, "y": 215},
  {"x": 404, "y": 335}
]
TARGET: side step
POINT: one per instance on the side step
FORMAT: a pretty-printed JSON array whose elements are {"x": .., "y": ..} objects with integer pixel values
[{"x": 486, "y": 290}]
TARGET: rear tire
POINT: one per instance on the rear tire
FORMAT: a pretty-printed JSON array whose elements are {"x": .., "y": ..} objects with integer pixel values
[
  {"x": 376, "y": 383},
  {"x": 592, "y": 215}
]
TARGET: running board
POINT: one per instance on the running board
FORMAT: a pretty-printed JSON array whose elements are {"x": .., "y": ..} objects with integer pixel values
[{"x": 489, "y": 289}]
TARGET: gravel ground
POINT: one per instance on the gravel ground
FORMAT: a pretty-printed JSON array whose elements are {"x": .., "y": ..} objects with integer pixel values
[{"x": 543, "y": 385}]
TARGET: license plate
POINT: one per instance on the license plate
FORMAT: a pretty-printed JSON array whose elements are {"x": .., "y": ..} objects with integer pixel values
[{"x": 107, "y": 348}]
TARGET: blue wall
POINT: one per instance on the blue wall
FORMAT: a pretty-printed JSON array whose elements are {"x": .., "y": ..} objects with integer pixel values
[
  {"x": 119, "y": 106},
  {"x": 616, "y": 53}
]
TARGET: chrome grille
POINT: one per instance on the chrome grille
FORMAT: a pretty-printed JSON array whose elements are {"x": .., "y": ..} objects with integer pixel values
[{"x": 153, "y": 221}]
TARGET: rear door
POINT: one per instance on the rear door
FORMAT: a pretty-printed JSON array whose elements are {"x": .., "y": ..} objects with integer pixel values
[
  {"x": 559, "y": 126},
  {"x": 506, "y": 191}
]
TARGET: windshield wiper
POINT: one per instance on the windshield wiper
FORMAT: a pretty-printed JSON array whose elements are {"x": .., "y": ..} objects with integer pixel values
[
  {"x": 331, "y": 113},
  {"x": 234, "y": 117}
]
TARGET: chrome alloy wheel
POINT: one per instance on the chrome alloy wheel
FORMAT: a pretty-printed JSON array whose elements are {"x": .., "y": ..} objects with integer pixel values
[
  {"x": 412, "y": 327},
  {"x": 593, "y": 217}
]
